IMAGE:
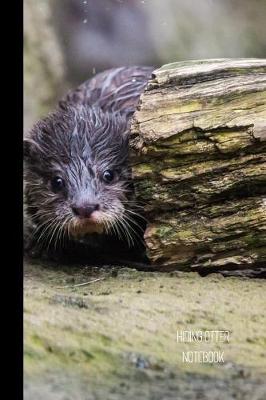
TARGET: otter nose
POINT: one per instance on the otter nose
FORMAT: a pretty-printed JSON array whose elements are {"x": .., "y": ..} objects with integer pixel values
[{"x": 85, "y": 210}]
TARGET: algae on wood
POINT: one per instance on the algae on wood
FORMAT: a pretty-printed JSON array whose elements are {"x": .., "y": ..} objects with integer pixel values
[{"x": 199, "y": 151}]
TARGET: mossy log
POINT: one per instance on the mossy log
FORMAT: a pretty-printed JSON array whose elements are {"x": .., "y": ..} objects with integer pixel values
[{"x": 198, "y": 144}]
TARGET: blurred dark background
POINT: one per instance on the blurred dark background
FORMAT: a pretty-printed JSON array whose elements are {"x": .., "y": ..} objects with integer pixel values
[
  {"x": 68, "y": 41},
  {"x": 99, "y": 34}
]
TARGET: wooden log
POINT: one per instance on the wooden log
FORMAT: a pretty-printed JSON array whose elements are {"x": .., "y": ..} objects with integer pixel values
[{"x": 198, "y": 141}]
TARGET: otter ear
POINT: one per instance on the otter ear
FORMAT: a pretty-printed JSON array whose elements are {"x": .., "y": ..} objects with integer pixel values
[{"x": 31, "y": 151}]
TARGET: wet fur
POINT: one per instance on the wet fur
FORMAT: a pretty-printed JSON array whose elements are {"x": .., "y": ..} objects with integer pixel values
[{"x": 86, "y": 135}]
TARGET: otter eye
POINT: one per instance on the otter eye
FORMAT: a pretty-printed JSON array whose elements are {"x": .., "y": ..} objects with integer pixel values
[
  {"x": 108, "y": 176},
  {"x": 57, "y": 184}
]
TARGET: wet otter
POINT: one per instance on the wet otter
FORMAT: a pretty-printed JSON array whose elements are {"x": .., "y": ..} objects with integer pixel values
[{"x": 77, "y": 177}]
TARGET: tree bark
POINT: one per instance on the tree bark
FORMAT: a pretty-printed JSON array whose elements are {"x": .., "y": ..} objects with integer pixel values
[{"x": 198, "y": 144}]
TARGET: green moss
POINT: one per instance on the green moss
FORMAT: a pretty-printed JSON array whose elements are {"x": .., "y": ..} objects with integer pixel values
[
  {"x": 128, "y": 337},
  {"x": 142, "y": 169}
]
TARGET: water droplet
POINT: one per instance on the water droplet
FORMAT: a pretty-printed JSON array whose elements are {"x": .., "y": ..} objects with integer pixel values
[
  {"x": 85, "y": 2},
  {"x": 134, "y": 80},
  {"x": 85, "y": 21}
]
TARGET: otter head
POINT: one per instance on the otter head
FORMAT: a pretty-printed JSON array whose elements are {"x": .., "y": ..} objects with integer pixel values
[{"x": 77, "y": 179}]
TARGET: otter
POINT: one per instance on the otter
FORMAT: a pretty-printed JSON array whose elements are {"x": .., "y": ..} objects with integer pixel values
[{"x": 77, "y": 174}]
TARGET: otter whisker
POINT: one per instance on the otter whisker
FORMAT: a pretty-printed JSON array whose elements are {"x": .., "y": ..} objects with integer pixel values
[
  {"x": 64, "y": 229},
  {"x": 54, "y": 233},
  {"x": 136, "y": 214},
  {"x": 133, "y": 221},
  {"x": 128, "y": 221},
  {"x": 68, "y": 227},
  {"x": 41, "y": 213},
  {"x": 125, "y": 228},
  {"x": 77, "y": 176},
  {"x": 39, "y": 227},
  {"x": 111, "y": 224},
  {"x": 44, "y": 232},
  {"x": 58, "y": 234},
  {"x": 118, "y": 230}
]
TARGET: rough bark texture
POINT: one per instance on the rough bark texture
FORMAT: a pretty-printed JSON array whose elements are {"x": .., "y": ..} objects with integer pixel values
[{"x": 199, "y": 150}]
